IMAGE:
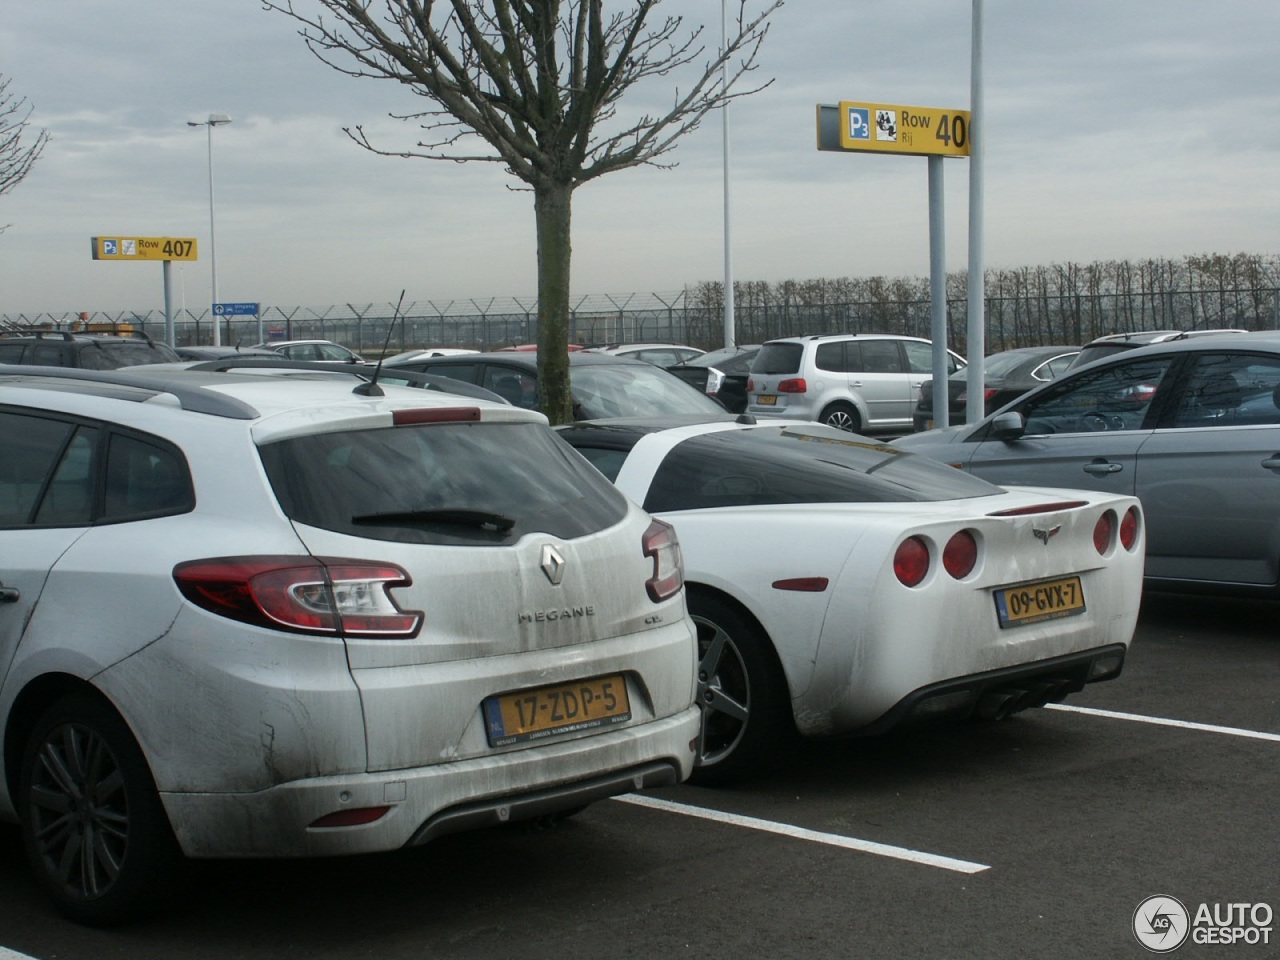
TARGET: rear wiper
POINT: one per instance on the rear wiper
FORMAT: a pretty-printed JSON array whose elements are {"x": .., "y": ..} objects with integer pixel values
[{"x": 468, "y": 518}]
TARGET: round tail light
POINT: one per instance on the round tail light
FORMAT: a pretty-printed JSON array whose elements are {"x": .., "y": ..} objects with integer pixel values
[
  {"x": 1103, "y": 530},
  {"x": 911, "y": 561},
  {"x": 1129, "y": 528},
  {"x": 960, "y": 554}
]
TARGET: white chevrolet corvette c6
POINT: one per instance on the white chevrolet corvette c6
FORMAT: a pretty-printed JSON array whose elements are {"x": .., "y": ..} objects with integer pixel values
[{"x": 842, "y": 586}]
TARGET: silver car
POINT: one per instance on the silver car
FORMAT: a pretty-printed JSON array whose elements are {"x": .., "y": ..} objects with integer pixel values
[{"x": 1192, "y": 427}]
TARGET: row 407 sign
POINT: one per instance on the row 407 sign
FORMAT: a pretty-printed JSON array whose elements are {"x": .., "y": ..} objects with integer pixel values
[
  {"x": 144, "y": 248},
  {"x": 893, "y": 128}
]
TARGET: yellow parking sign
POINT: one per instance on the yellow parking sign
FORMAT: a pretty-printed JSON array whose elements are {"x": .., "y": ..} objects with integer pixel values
[
  {"x": 144, "y": 248},
  {"x": 894, "y": 128}
]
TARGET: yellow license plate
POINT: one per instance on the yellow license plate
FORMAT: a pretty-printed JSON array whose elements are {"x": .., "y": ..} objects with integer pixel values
[
  {"x": 1034, "y": 602},
  {"x": 555, "y": 710},
  {"x": 767, "y": 401}
]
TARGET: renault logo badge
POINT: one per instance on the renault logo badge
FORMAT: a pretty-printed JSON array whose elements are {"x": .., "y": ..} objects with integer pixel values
[{"x": 552, "y": 564}]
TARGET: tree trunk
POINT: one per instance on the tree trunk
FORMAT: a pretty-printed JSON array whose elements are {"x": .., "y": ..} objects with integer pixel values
[{"x": 552, "y": 214}]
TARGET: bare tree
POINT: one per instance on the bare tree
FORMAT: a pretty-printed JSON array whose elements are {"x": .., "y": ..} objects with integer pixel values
[
  {"x": 535, "y": 85},
  {"x": 16, "y": 157}
]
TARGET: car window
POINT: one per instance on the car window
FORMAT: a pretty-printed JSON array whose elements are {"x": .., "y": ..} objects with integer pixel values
[
  {"x": 810, "y": 464},
  {"x": 48, "y": 355},
  {"x": 1052, "y": 369},
  {"x": 144, "y": 479},
  {"x": 832, "y": 356},
  {"x": 32, "y": 446},
  {"x": 112, "y": 356},
  {"x": 331, "y": 351},
  {"x": 459, "y": 371},
  {"x": 11, "y": 352},
  {"x": 435, "y": 483},
  {"x": 68, "y": 500},
  {"x": 517, "y": 387},
  {"x": 778, "y": 358},
  {"x": 1226, "y": 390},
  {"x": 633, "y": 390},
  {"x": 883, "y": 356},
  {"x": 608, "y": 460},
  {"x": 1116, "y": 397},
  {"x": 919, "y": 356}
]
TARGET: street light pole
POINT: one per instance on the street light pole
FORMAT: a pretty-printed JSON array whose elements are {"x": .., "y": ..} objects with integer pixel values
[{"x": 215, "y": 120}]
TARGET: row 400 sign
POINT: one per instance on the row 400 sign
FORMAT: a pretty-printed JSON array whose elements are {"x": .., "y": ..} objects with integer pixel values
[
  {"x": 892, "y": 128},
  {"x": 144, "y": 248}
]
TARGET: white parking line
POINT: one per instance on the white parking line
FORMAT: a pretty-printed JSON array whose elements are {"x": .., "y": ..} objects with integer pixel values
[
  {"x": 799, "y": 833},
  {"x": 1162, "y": 722}
]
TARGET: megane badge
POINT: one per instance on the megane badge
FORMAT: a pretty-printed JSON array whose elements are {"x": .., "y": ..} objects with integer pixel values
[
  {"x": 552, "y": 564},
  {"x": 1042, "y": 535}
]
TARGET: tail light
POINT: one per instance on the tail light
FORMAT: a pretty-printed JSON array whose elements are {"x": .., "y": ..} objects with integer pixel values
[
  {"x": 794, "y": 385},
  {"x": 315, "y": 595},
  {"x": 911, "y": 561},
  {"x": 1103, "y": 531},
  {"x": 960, "y": 554},
  {"x": 1129, "y": 528},
  {"x": 662, "y": 546}
]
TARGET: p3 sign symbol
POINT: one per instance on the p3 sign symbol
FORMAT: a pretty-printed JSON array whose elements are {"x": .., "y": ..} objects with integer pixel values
[{"x": 859, "y": 123}]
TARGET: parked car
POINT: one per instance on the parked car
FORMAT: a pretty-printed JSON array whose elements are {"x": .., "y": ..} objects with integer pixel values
[
  {"x": 203, "y": 353},
  {"x": 863, "y": 383},
  {"x": 428, "y": 352},
  {"x": 89, "y": 351},
  {"x": 662, "y": 354},
  {"x": 842, "y": 587},
  {"x": 318, "y": 350},
  {"x": 1006, "y": 375},
  {"x": 255, "y": 615},
  {"x": 1113, "y": 343},
  {"x": 1190, "y": 426},
  {"x": 721, "y": 374},
  {"x": 602, "y": 386}
]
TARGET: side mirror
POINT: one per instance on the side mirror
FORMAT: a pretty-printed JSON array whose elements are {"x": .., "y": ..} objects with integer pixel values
[{"x": 1007, "y": 426}]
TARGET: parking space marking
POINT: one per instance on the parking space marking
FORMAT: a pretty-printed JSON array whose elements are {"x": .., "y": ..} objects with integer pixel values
[
  {"x": 814, "y": 836},
  {"x": 1163, "y": 722}
]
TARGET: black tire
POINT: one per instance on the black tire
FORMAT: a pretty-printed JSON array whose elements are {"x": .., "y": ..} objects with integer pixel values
[
  {"x": 746, "y": 716},
  {"x": 85, "y": 786},
  {"x": 842, "y": 416}
]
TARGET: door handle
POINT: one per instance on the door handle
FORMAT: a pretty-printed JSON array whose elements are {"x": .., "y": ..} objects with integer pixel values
[
  {"x": 1101, "y": 467},
  {"x": 1272, "y": 463},
  {"x": 8, "y": 594}
]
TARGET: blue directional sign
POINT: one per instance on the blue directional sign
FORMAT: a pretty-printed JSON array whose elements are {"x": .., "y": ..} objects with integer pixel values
[{"x": 235, "y": 309}]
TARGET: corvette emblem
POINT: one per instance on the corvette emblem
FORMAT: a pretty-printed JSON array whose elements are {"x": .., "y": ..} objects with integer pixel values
[
  {"x": 1044, "y": 535},
  {"x": 552, "y": 564}
]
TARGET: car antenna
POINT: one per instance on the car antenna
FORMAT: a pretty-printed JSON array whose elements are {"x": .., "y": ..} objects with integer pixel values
[{"x": 370, "y": 387}]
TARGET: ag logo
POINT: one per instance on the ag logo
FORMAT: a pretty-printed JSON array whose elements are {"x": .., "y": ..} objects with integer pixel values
[{"x": 1161, "y": 924}]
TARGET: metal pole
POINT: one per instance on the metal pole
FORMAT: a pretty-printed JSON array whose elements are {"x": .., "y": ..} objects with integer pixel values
[
  {"x": 975, "y": 386},
  {"x": 729, "y": 320},
  {"x": 168, "y": 303},
  {"x": 938, "y": 294},
  {"x": 213, "y": 245}
]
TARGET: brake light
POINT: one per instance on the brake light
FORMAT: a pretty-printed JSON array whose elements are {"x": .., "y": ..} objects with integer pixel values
[
  {"x": 1129, "y": 528},
  {"x": 911, "y": 561},
  {"x": 661, "y": 545},
  {"x": 1102, "y": 532},
  {"x": 1038, "y": 508},
  {"x": 960, "y": 554},
  {"x": 324, "y": 596},
  {"x": 795, "y": 385},
  {"x": 407, "y": 418}
]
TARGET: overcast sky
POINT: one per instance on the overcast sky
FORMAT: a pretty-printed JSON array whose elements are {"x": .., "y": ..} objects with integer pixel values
[{"x": 1115, "y": 129}]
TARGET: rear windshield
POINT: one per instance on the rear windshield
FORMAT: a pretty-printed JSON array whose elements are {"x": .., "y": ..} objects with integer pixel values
[
  {"x": 1098, "y": 351},
  {"x": 115, "y": 355},
  {"x": 471, "y": 484},
  {"x": 775, "y": 358},
  {"x": 806, "y": 464},
  {"x": 603, "y": 390}
]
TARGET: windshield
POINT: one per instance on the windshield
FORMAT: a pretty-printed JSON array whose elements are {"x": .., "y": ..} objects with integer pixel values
[
  {"x": 447, "y": 483},
  {"x": 633, "y": 390},
  {"x": 801, "y": 464}
]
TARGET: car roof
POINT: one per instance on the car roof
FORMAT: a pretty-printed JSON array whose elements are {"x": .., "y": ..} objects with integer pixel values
[
  {"x": 816, "y": 337},
  {"x": 527, "y": 359},
  {"x": 239, "y": 395},
  {"x": 1264, "y": 340}
]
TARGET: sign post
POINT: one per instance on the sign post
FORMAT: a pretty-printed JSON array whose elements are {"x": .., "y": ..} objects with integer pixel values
[
  {"x": 164, "y": 249},
  {"x": 856, "y": 126}
]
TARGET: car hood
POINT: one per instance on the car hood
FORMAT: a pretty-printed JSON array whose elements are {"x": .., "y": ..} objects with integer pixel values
[{"x": 930, "y": 438}]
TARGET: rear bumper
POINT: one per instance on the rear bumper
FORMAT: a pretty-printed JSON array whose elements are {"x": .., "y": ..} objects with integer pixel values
[
  {"x": 427, "y": 802},
  {"x": 996, "y": 694}
]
